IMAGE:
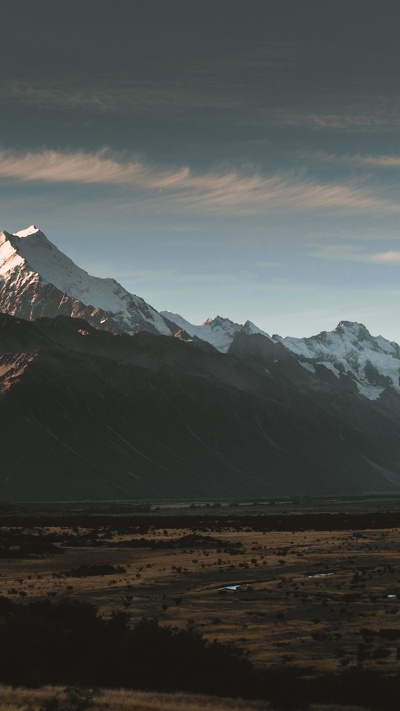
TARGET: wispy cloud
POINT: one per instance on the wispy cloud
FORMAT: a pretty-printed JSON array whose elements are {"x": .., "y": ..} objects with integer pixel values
[
  {"x": 222, "y": 80},
  {"x": 349, "y": 253},
  {"x": 392, "y": 257},
  {"x": 357, "y": 159},
  {"x": 220, "y": 191},
  {"x": 225, "y": 88},
  {"x": 383, "y": 117},
  {"x": 113, "y": 95}
]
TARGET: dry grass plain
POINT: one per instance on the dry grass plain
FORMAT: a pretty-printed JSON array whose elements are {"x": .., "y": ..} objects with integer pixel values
[
  {"x": 117, "y": 700},
  {"x": 322, "y": 600},
  {"x": 60, "y": 699}
]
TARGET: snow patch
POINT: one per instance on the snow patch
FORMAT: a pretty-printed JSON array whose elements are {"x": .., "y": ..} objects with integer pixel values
[
  {"x": 329, "y": 366},
  {"x": 372, "y": 392},
  {"x": 29, "y": 231},
  {"x": 307, "y": 366}
]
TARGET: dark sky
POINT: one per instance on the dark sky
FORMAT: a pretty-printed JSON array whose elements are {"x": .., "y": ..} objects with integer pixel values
[{"x": 225, "y": 156}]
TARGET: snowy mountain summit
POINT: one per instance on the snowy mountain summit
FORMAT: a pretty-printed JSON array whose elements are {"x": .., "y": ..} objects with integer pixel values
[
  {"x": 36, "y": 279},
  {"x": 218, "y": 331},
  {"x": 372, "y": 362}
]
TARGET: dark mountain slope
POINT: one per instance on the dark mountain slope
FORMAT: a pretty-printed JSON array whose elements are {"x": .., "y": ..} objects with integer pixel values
[{"x": 89, "y": 415}]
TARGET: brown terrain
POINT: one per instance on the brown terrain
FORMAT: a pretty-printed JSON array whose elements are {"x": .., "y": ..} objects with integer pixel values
[{"x": 295, "y": 588}]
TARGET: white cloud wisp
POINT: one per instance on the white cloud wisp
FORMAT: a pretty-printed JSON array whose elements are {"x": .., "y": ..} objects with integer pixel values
[
  {"x": 348, "y": 253},
  {"x": 224, "y": 191}
]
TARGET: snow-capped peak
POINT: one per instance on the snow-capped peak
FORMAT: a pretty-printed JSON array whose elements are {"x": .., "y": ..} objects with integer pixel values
[
  {"x": 354, "y": 329},
  {"x": 29, "y": 231},
  {"x": 371, "y": 361},
  {"x": 37, "y": 279},
  {"x": 28, "y": 255},
  {"x": 218, "y": 331},
  {"x": 250, "y": 328}
]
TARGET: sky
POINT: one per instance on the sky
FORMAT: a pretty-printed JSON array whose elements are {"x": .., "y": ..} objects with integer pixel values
[{"x": 230, "y": 157}]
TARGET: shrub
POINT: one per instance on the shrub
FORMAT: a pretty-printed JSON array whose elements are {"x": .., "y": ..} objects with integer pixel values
[{"x": 69, "y": 643}]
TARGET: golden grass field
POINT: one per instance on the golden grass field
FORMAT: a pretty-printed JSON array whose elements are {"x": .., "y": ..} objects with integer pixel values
[{"x": 321, "y": 600}]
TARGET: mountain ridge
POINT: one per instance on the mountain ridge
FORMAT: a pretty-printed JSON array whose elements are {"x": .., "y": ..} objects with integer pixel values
[
  {"x": 37, "y": 280},
  {"x": 88, "y": 414},
  {"x": 131, "y": 403}
]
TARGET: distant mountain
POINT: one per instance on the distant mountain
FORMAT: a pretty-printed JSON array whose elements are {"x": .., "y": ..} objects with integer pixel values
[
  {"x": 371, "y": 362},
  {"x": 218, "y": 331},
  {"x": 36, "y": 279},
  {"x": 87, "y": 414}
]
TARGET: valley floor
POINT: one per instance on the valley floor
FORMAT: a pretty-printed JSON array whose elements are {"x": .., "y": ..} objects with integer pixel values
[
  {"x": 65, "y": 699},
  {"x": 310, "y": 600}
]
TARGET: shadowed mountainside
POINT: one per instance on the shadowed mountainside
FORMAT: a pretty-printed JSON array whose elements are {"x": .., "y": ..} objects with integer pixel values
[{"x": 91, "y": 415}]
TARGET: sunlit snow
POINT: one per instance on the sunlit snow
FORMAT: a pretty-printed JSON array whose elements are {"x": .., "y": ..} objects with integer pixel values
[
  {"x": 31, "y": 251},
  {"x": 219, "y": 331},
  {"x": 351, "y": 349},
  {"x": 28, "y": 258}
]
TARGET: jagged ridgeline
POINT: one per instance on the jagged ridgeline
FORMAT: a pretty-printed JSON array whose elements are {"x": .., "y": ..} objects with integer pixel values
[{"x": 102, "y": 397}]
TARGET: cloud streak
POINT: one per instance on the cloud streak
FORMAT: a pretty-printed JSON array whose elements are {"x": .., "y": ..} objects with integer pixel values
[
  {"x": 348, "y": 253},
  {"x": 341, "y": 122},
  {"x": 227, "y": 191},
  {"x": 223, "y": 86},
  {"x": 384, "y": 117},
  {"x": 356, "y": 159},
  {"x": 113, "y": 96}
]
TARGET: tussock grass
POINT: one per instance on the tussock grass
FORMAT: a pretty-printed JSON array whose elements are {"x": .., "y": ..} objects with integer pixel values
[
  {"x": 120, "y": 700},
  {"x": 123, "y": 700}
]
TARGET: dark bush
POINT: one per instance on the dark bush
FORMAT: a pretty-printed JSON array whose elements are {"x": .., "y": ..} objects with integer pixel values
[
  {"x": 68, "y": 643},
  {"x": 30, "y": 549},
  {"x": 84, "y": 571}
]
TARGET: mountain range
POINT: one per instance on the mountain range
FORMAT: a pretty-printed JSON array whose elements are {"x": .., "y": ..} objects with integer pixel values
[{"x": 103, "y": 397}]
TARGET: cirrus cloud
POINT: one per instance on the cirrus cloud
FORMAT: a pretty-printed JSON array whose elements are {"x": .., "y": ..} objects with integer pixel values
[
  {"x": 357, "y": 159},
  {"x": 230, "y": 190},
  {"x": 349, "y": 253}
]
